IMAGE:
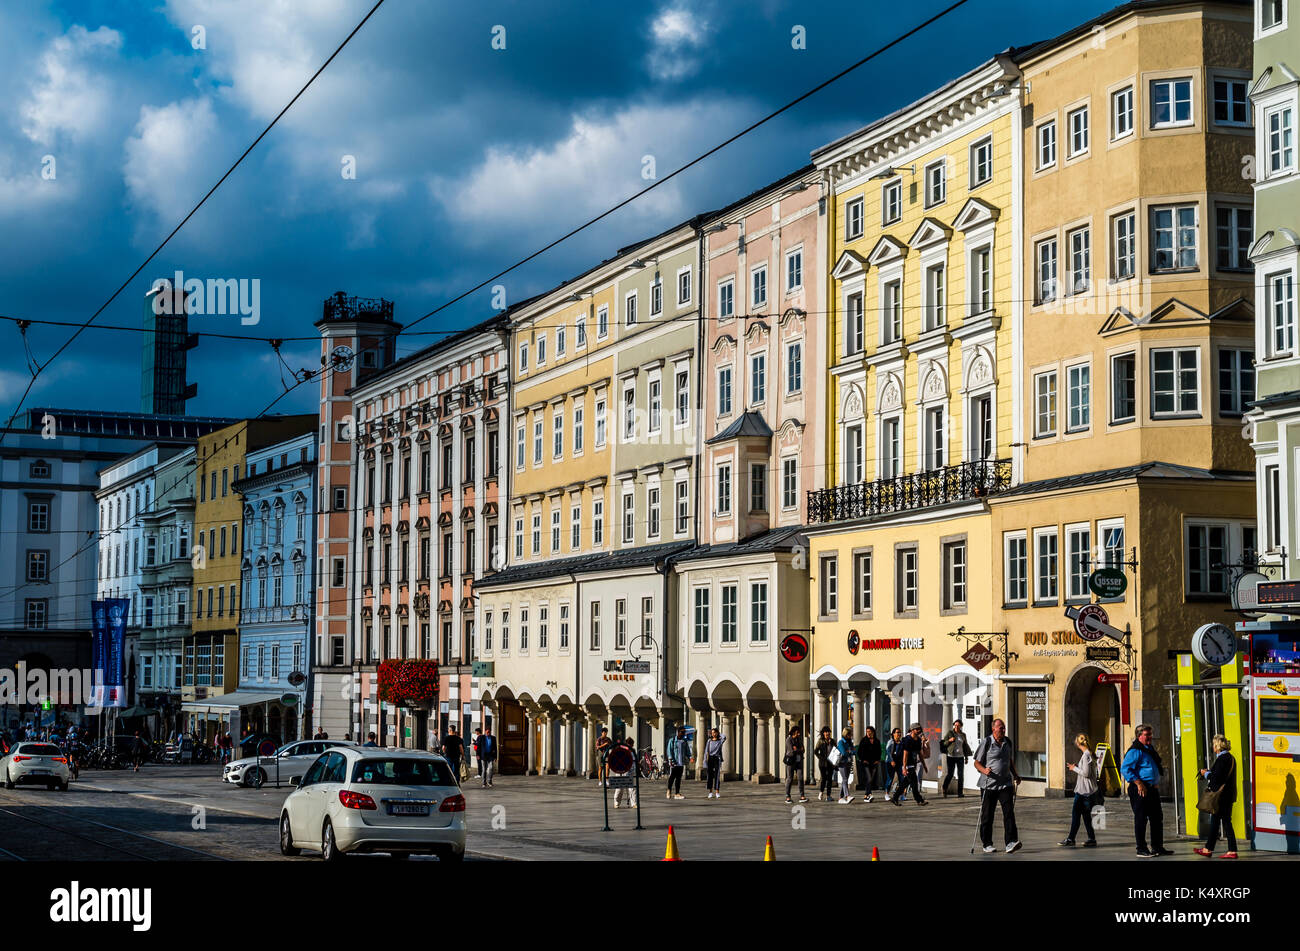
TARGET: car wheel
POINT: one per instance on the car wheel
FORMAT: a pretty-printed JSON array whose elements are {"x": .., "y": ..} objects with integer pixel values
[
  {"x": 452, "y": 856},
  {"x": 255, "y": 778},
  {"x": 286, "y": 837},
  {"x": 63, "y": 787},
  {"x": 9, "y": 783},
  {"x": 329, "y": 848}
]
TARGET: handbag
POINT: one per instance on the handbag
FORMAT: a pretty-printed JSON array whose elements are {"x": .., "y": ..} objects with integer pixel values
[
  {"x": 1210, "y": 801},
  {"x": 833, "y": 757}
]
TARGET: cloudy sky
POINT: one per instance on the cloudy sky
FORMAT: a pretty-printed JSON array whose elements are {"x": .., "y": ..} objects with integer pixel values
[{"x": 467, "y": 157}]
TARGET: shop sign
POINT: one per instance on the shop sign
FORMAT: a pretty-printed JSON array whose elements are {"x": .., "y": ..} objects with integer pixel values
[
  {"x": 978, "y": 656},
  {"x": 1057, "y": 638},
  {"x": 794, "y": 648},
  {"x": 484, "y": 668},
  {"x": 893, "y": 644},
  {"x": 1111, "y": 678},
  {"x": 627, "y": 667},
  {"x": 1108, "y": 582},
  {"x": 855, "y": 642},
  {"x": 1106, "y": 654}
]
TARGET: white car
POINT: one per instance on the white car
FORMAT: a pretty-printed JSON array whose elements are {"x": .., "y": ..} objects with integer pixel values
[
  {"x": 288, "y": 763},
  {"x": 370, "y": 799},
  {"x": 37, "y": 764}
]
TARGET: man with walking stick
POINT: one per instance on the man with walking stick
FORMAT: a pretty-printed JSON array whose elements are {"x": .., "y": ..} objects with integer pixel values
[{"x": 996, "y": 762}]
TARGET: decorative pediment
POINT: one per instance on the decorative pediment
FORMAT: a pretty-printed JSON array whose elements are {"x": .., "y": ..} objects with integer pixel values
[
  {"x": 757, "y": 332},
  {"x": 724, "y": 346},
  {"x": 467, "y": 514},
  {"x": 444, "y": 430},
  {"x": 852, "y": 405},
  {"x": 1174, "y": 313},
  {"x": 385, "y": 529},
  {"x": 279, "y": 505},
  {"x": 444, "y": 519},
  {"x": 298, "y": 555},
  {"x": 403, "y": 611},
  {"x": 385, "y": 610},
  {"x": 249, "y": 512},
  {"x": 890, "y": 397},
  {"x": 444, "y": 606},
  {"x": 422, "y": 604},
  {"x": 975, "y": 213},
  {"x": 370, "y": 455},
  {"x": 790, "y": 435},
  {"x": 467, "y": 604},
  {"x": 367, "y": 532},
  {"x": 1242, "y": 309},
  {"x": 386, "y": 449},
  {"x": 467, "y": 422},
  {"x": 489, "y": 510},
  {"x": 422, "y": 523},
  {"x": 403, "y": 527},
  {"x": 404, "y": 444},
  {"x": 367, "y": 611},
  {"x": 299, "y": 499},
  {"x": 980, "y": 370},
  {"x": 277, "y": 559},
  {"x": 791, "y": 323},
  {"x": 490, "y": 415},
  {"x": 850, "y": 264},
  {"x": 1274, "y": 242},
  {"x": 246, "y": 565},
  {"x": 931, "y": 232},
  {"x": 934, "y": 384},
  {"x": 261, "y": 561},
  {"x": 422, "y": 436},
  {"x": 888, "y": 250}
]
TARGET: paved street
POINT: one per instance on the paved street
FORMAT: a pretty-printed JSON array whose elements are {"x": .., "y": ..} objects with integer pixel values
[{"x": 152, "y": 816}]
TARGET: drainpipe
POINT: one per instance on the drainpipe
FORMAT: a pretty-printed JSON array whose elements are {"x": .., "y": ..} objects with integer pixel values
[{"x": 664, "y": 568}]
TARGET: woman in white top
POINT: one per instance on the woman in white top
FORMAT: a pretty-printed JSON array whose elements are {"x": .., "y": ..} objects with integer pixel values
[{"x": 1085, "y": 785}]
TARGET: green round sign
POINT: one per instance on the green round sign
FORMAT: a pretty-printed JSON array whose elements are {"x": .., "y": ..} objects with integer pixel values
[{"x": 1108, "y": 582}]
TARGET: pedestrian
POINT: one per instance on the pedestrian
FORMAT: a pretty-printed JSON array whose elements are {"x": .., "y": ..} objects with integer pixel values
[
  {"x": 628, "y": 792},
  {"x": 1085, "y": 787},
  {"x": 453, "y": 748},
  {"x": 603, "y": 745},
  {"x": 847, "y": 753},
  {"x": 138, "y": 750},
  {"x": 894, "y": 763},
  {"x": 911, "y": 751},
  {"x": 679, "y": 754},
  {"x": 485, "y": 748},
  {"x": 1219, "y": 796},
  {"x": 824, "y": 766},
  {"x": 371, "y": 739},
  {"x": 794, "y": 762},
  {"x": 995, "y": 760},
  {"x": 478, "y": 760},
  {"x": 713, "y": 762},
  {"x": 955, "y": 750},
  {"x": 923, "y": 761},
  {"x": 868, "y": 761},
  {"x": 347, "y": 737},
  {"x": 1142, "y": 767}
]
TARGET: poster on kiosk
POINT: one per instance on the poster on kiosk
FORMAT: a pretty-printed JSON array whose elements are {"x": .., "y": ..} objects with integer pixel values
[{"x": 1274, "y": 670}]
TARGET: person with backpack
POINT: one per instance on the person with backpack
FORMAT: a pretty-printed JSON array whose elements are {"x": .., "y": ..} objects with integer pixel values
[
  {"x": 912, "y": 752},
  {"x": 995, "y": 760},
  {"x": 844, "y": 764},
  {"x": 794, "y": 762},
  {"x": 1219, "y": 796},
  {"x": 1085, "y": 788},
  {"x": 955, "y": 750},
  {"x": 1143, "y": 769},
  {"x": 824, "y": 766},
  {"x": 868, "y": 761}
]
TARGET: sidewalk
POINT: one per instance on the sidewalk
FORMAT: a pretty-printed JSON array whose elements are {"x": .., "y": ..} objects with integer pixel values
[{"x": 550, "y": 818}]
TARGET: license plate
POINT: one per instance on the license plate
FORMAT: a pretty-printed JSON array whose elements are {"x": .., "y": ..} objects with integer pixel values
[
  {"x": 40, "y": 772},
  {"x": 408, "y": 809}
]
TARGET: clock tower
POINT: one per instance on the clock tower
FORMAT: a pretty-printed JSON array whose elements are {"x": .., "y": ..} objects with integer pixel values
[{"x": 358, "y": 337}]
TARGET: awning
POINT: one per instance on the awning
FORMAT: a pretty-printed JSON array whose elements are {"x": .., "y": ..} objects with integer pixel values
[{"x": 231, "y": 701}]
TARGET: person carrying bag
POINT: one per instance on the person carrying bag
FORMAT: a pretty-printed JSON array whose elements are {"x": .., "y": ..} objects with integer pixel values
[{"x": 1218, "y": 797}]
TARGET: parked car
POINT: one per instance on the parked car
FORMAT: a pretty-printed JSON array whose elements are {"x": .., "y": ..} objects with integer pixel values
[
  {"x": 369, "y": 799},
  {"x": 36, "y": 764},
  {"x": 288, "y": 763}
]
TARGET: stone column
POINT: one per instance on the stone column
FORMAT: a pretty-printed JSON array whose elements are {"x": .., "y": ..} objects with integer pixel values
[
  {"x": 548, "y": 742},
  {"x": 859, "y": 714},
  {"x": 763, "y": 769},
  {"x": 734, "y": 728},
  {"x": 701, "y": 727},
  {"x": 593, "y": 761}
]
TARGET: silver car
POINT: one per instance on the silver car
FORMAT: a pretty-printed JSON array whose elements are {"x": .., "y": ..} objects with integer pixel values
[
  {"x": 35, "y": 764},
  {"x": 370, "y": 799},
  {"x": 287, "y": 764}
]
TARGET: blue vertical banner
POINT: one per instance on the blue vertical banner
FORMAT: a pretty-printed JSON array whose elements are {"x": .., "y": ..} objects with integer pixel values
[
  {"x": 98, "y": 650},
  {"x": 114, "y": 671}
]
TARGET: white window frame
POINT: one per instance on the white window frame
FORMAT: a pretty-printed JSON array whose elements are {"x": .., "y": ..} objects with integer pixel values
[
  {"x": 1280, "y": 329},
  {"x": 794, "y": 370},
  {"x": 1046, "y": 415},
  {"x": 1233, "y": 82},
  {"x": 794, "y": 257},
  {"x": 854, "y": 218},
  {"x": 727, "y": 298},
  {"x": 754, "y": 274},
  {"x": 1071, "y": 388},
  {"x": 757, "y": 377},
  {"x": 1173, "y": 122},
  {"x": 1078, "y": 557},
  {"x": 1047, "y": 270},
  {"x": 1178, "y": 391},
  {"x": 935, "y": 183},
  {"x": 723, "y": 488},
  {"x": 1078, "y": 124},
  {"x": 630, "y": 309},
  {"x": 981, "y": 157},
  {"x": 1051, "y": 594},
  {"x": 1021, "y": 539},
  {"x": 686, "y": 273},
  {"x": 891, "y": 201},
  {"x": 1045, "y": 145},
  {"x": 1122, "y": 109},
  {"x": 1178, "y": 228},
  {"x": 725, "y": 387},
  {"x": 602, "y": 322},
  {"x": 1123, "y": 247}
]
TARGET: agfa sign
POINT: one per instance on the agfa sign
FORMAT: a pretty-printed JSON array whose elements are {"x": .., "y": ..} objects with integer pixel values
[{"x": 978, "y": 656}]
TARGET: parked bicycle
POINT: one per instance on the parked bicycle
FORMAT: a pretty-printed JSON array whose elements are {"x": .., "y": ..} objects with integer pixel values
[{"x": 650, "y": 765}]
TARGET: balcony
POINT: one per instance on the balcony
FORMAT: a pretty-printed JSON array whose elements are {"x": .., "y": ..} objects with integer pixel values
[{"x": 919, "y": 490}]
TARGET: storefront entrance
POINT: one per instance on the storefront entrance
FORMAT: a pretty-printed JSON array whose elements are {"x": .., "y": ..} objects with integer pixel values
[
  {"x": 513, "y": 737},
  {"x": 1092, "y": 708}
]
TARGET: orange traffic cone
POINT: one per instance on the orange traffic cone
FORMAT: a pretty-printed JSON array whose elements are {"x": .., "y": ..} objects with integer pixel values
[
  {"x": 670, "y": 850},
  {"x": 875, "y": 854},
  {"x": 769, "y": 854}
]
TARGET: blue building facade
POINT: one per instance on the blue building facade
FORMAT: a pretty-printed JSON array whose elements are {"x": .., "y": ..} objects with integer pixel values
[{"x": 278, "y": 588}]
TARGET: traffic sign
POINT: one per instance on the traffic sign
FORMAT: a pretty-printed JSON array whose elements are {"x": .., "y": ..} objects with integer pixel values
[
  {"x": 625, "y": 781},
  {"x": 1108, "y": 582},
  {"x": 297, "y": 678},
  {"x": 620, "y": 760}
]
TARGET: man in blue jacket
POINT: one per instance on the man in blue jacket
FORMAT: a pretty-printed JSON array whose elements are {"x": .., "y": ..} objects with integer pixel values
[{"x": 1142, "y": 769}]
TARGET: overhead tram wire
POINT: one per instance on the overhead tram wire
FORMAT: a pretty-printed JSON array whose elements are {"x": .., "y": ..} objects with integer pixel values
[{"x": 156, "y": 251}]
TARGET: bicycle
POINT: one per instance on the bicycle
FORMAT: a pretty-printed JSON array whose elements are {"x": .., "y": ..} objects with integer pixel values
[{"x": 649, "y": 764}]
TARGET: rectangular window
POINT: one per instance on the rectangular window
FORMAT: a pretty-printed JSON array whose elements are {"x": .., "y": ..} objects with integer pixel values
[
  {"x": 1279, "y": 127},
  {"x": 1272, "y": 13},
  {"x": 981, "y": 280},
  {"x": 935, "y": 423},
  {"x": 1121, "y": 113},
  {"x": 1045, "y": 404},
  {"x": 1077, "y": 120},
  {"x": 629, "y": 517},
  {"x": 682, "y": 399},
  {"x": 38, "y": 520},
  {"x": 538, "y": 426},
  {"x": 724, "y": 391},
  {"x": 954, "y": 575},
  {"x": 829, "y": 586},
  {"x": 578, "y": 433},
  {"x": 600, "y": 423},
  {"x": 543, "y": 627},
  {"x": 758, "y": 487},
  {"x": 794, "y": 270},
  {"x": 595, "y": 625},
  {"x": 1175, "y": 382},
  {"x": 1123, "y": 388},
  {"x": 1045, "y": 565},
  {"x": 541, "y": 347},
  {"x": 597, "y": 522},
  {"x": 1236, "y": 381},
  {"x": 683, "y": 507},
  {"x": 519, "y": 538},
  {"x": 936, "y": 183},
  {"x": 853, "y": 212},
  {"x": 656, "y": 299},
  {"x": 1045, "y": 260},
  {"x": 1281, "y": 313},
  {"x": 1273, "y": 536},
  {"x": 794, "y": 367},
  {"x": 891, "y": 201},
  {"x": 724, "y": 490},
  {"x": 629, "y": 310},
  {"x": 38, "y": 613},
  {"x": 683, "y": 287},
  {"x": 537, "y": 533},
  {"x": 523, "y": 358},
  {"x": 758, "y": 612},
  {"x": 1079, "y": 241},
  {"x": 1207, "y": 556},
  {"x": 1015, "y": 568},
  {"x": 981, "y": 423},
  {"x": 757, "y": 378},
  {"x": 521, "y": 442},
  {"x": 654, "y": 394},
  {"x": 758, "y": 286},
  {"x": 1231, "y": 102},
  {"x": 862, "y": 583},
  {"x": 891, "y": 444},
  {"x": 652, "y": 510},
  {"x": 1233, "y": 234},
  {"x": 1047, "y": 144},
  {"x": 1079, "y": 382},
  {"x": 726, "y": 299},
  {"x": 1078, "y": 545},
  {"x": 853, "y": 324},
  {"x": 727, "y": 630},
  {"x": 505, "y": 630},
  {"x": 935, "y": 290},
  {"x": 906, "y": 581},
  {"x": 523, "y": 629},
  {"x": 555, "y": 529},
  {"x": 701, "y": 620},
  {"x": 602, "y": 323},
  {"x": 575, "y": 527},
  {"x": 981, "y": 162},
  {"x": 891, "y": 317},
  {"x": 620, "y": 624},
  {"x": 557, "y": 434},
  {"x": 1171, "y": 103},
  {"x": 560, "y": 340},
  {"x": 789, "y": 483},
  {"x": 854, "y": 452},
  {"x": 580, "y": 333},
  {"x": 629, "y": 413},
  {"x": 1173, "y": 237},
  {"x": 1124, "y": 250}
]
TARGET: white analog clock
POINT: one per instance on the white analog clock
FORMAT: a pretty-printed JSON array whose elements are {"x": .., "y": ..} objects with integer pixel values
[
  {"x": 343, "y": 357},
  {"x": 1214, "y": 645}
]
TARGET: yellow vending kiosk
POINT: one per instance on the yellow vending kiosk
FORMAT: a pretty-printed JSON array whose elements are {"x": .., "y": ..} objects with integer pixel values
[{"x": 1273, "y": 672}]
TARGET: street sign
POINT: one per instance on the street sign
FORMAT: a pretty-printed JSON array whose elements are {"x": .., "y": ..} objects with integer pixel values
[
  {"x": 483, "y": 668},
  {"x": 1108, "y": 582},
  {"x": 1102, "y": 653},
  {"x": 854, "y": 642},
  {"x": 288, "y": 699},
  {"x": 978, "y": 656},
  {"x": 1279, "y": 593},
  {"x": 297, "y": 678},
  {"x": 1091, "y": 622},
  {"x": 1245, "y": 593},
  {"x": 626, "y": 781},
  {"x": 794, "y": 648},
  {"x": 620, "y": 760},
  {"x": 636, "y": 666}
]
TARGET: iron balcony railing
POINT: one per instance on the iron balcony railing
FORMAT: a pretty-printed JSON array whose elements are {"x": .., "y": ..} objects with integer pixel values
[{"x": 918, "y": 490}]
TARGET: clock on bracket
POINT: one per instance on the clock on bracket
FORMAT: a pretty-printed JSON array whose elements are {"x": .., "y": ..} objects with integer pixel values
[{"x": 1214, "y": 644}]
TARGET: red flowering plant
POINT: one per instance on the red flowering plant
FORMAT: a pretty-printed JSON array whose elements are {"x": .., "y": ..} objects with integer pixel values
[{"x": 408, "y": 682}]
